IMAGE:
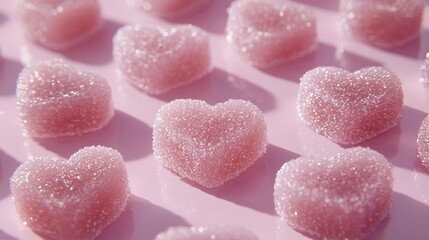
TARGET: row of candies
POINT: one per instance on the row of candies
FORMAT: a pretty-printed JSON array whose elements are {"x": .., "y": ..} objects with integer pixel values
[{"x": 56, "y": 100}]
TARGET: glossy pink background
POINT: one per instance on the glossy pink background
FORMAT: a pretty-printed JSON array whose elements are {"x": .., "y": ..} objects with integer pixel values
[{"x": 160, "y": 199}]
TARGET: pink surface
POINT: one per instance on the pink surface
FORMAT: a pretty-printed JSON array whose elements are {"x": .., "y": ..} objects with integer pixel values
[
  {"x": 425, "y": 70},
  {"x": 160, "y": 199},
  {"x": 341, "y": 197},
  {"x": 209, "y": 144},
  {"x": 221, "y": 232}
]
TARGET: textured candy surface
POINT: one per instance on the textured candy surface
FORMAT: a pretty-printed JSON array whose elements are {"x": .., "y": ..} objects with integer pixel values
[
  {"x": 169, "y": 8},
  {"x": 56, "y": 100},
  {"x": 343, "y": 197},
  {"x": 268, "y": 33},
  {"x": 423, "y": 142},
  {"x": 59, "y": 24},
  {"x": 71, "y": 199},
  {"x": 157, "y": 60},
  {"x": 209, "y": 144},
  {"x": 207, "y": 233},
  {"x": 384, "y": 23},
  {"x": 350, "y": 107}
]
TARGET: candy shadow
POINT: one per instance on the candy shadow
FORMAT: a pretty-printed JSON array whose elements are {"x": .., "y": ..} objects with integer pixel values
[
  {"x": 211, "y": 17},
  {"x": 408, "y": 220},
  {"x": 255, "y": 187},
  {"x": 331, "y": 5},
  {"x": 8, "y": 165},
  {"x": 386, "y": 143},
  {"x": 424, "y": 42},
  {"x": 97, "y": 49},
  {"x": 409, "y": 125},
  {"x": 130, "y": 136},
  {"x": 9, "y": 72},
  {"x": 415, "y": 48},
  {"x": 141, "y": 220},
  {"x": 3, "y": 19},
  {"x": 324, "y": 55},
  {"x": 5, "y": 236},
  {"x": 122, "y": 227},
  {"x": 219, "y": 86}
]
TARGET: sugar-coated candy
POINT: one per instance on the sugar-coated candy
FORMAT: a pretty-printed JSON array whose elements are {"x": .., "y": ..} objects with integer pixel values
[
  {"x": 71, "y": 199},
  {"x": 268, "y": 33},
  {"x": 342, "y": 197},
  {"x": 169, "y": 8},
  {"x": 59, "y": 24},
  {"x": 56, "y": 100},
  {"x": 383, "y": 23},
  {"x": 209, "y": 144},
  {"x": 423, "y": 142},
  {"x": 350, "y": 107},
  {"x": 221, "y": 232},
  {"x": 157, "y": 60}
]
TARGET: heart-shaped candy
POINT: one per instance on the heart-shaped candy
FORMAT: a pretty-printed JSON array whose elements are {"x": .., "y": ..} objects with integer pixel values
[
  {"x": 169, "y": 8},
  {"x": 350, "y": 107},
  {"x": 384, "y": 23},
  {"x": 423, "y": 142},
  {"x": 268, "y": 33},
  {"x": 71, "y": 199},
  {"x": 343, "y": 197},
  {"x": 226, "y": 232},
  {"x": 56, "y": 100},
  {"x": 157, "y": 60},
  {"x": 209, "y": 144},
  {"x": 59, "y": 24}
]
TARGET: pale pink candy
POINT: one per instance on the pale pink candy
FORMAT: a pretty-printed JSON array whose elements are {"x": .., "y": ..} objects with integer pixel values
[
  {"x": 350, "y": 107},
  {"x": 224, "y": 232},
  {"x": 71, "y": 199},
  {"x": 56, "y": 100},
  {"x": 169, "y": 8},
  {"x": 343, "y": 197},
  {"x": 156, "y": 60},
  {"x": 423, "y": 142},
  {"x": 209, "y": 144},
  {"x": 384, "y": 23},
  {"x": 59, "y": 24},
  {"x": 268, "y": 33}
]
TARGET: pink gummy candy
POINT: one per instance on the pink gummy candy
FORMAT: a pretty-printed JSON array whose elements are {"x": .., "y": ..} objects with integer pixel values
[
  {"x": 343, "y": 197},
  {"x": 384, "y": 23},
  {"x": 56, "y": 100},
  {"x": 71, "y": 199},
  {"x": 169, "y": 8},
  {"x": 268, "y": 33},
  {"x": 209, "y": 144},
  {"x": 156, "y": 60},
  {"x": 59, "y": 24},
  {"x": 423, "y": 142},
  {"x": 207, "y": 233},
  {"x": 350, "y": 107}
]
